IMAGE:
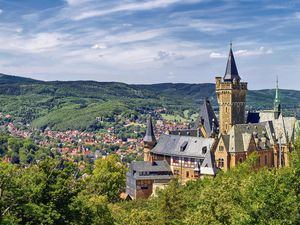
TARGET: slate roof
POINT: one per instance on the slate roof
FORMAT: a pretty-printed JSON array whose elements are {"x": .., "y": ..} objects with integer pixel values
[
  {"x": 208, "y": 166},
  {"x": 171, "y": 145},
  {"x": 149, "y": 136},
  {"x": 208, "y": 118},
  {"x": 157, "y": 170},
  {"x": 231, "y": 72},
  {"x": 188, "y": 132},
  {"x": 240, "y": 136},
  {"x": 267, "y": 115}
]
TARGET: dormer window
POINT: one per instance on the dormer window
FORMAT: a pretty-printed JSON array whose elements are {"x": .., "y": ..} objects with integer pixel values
[
  {"x": 204, "y": 150},
  {"x": 183, "y": 146}
]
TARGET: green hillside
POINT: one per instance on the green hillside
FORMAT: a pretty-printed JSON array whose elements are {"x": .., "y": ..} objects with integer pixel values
[{"x": 77, "y": 104}]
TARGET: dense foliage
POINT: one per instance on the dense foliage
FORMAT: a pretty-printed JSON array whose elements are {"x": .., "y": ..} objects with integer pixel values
[
  {"x": 55, "y": 191},
  {"x": 22, "y": 151}
]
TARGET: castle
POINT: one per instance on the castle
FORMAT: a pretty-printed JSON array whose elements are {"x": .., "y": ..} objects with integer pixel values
[{"x": 214, "y": 144}]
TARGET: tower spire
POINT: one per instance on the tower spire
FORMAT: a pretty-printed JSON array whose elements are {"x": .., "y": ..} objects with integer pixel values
[
  {"x": 149, "y": 138},
  {"x": 277, "y": 101},
  {"x": 231, "y": 72}
]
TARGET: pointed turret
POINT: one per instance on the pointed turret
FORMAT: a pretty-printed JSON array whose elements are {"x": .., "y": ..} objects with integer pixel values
[
  {"x": 231, "y": 95},
  {"x": 207, "y": 120},
  {"x": 149, "y": 140},
  {"x": 149, "y": 136},
  {"x": 231, "y": 72},
  {"x": 277, "y": 101}
]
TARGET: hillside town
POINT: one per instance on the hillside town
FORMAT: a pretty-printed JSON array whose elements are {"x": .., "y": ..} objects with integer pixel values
[{"x": 75, "y": 144}]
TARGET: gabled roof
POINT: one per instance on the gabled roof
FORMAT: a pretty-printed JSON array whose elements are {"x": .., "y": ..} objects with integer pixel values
[
  {"x": 187, "y": 132},
  {"x": 231, "y": 72},
  {"x": 146, "y": 166},
  {"x": 144, "y": 170},
  {"x": 208, "y": 166},
  {"x": 208, "y": 118},
  {"x": 149, "y": 136},
  {"x": 171, "y": 145},
  {"x": 240, "y": 136}
]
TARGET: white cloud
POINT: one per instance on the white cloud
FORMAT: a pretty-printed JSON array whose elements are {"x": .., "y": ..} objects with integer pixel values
[
  {"x": 297, "y": 15},
  {"x": 133, "y": 6},
  {"x": 243, "y": 52},
  {"x": 1, "y": 11},
  {"x": 171, "y": 75},
  {"x": 19, "y": 30},
  {"x": 38, "y": 43},
  {"x": 255, "y": 52},
  {"x": 217, "y": 55},
  {"x": 99, "y": 46},
  {"x": 77, "y": 2},
  {"x": 136, "y": 36},
  {"x": 164, "y": 55}
]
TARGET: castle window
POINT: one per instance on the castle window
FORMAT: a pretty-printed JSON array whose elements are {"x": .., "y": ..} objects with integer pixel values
[
  {"x": 221, "y": 148},
  {"x": 183, "y": 146},
  {"x": 240, "y": 160},
  {"x": 187, "y": 174},
  {"x": 175, "y": 160},
  {"x": 204, "y": 150},
  {"x": 144, "y": 187},
  {"x": 221, "y": 162}
]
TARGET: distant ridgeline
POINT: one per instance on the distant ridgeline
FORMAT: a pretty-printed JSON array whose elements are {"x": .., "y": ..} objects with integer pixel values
[{"x": 76, "y": 104}]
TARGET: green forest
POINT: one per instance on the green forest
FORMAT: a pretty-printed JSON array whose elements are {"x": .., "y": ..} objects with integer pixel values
[
  {"x": 77, "y": 104},
  {"x": 54, "y": 191}
]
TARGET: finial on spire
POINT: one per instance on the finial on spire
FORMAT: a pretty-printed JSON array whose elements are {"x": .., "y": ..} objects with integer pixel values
[
  {"x": 277, "y": 101},
  {"x": 231, "y": 72}
]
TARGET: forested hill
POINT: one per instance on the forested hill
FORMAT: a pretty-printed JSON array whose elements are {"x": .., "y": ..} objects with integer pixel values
[{"x": 75, "y": 104}]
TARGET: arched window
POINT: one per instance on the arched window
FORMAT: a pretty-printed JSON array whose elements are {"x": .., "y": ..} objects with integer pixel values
[{"x": 241, "y": 159}]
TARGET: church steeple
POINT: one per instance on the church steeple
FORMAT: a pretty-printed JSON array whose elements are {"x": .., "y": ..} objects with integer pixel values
[
  {"x": 277, "y": 101},
  {"x": 149, "y": 138},
  {"x": 231, "y": 72}
]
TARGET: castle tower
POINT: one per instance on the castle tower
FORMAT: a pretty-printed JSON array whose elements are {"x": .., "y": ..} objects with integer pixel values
[
  {"x": 277, "y": 101},
  {"x": 149, "y": 140},
  {"x": 231, "y": 95}
]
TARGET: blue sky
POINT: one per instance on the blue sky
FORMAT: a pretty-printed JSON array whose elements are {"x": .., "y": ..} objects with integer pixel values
[{"x": 151, "y": 41}]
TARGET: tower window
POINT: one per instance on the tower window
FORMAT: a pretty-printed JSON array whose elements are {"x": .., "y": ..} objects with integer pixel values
[{"x": 221, "y": 163}]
